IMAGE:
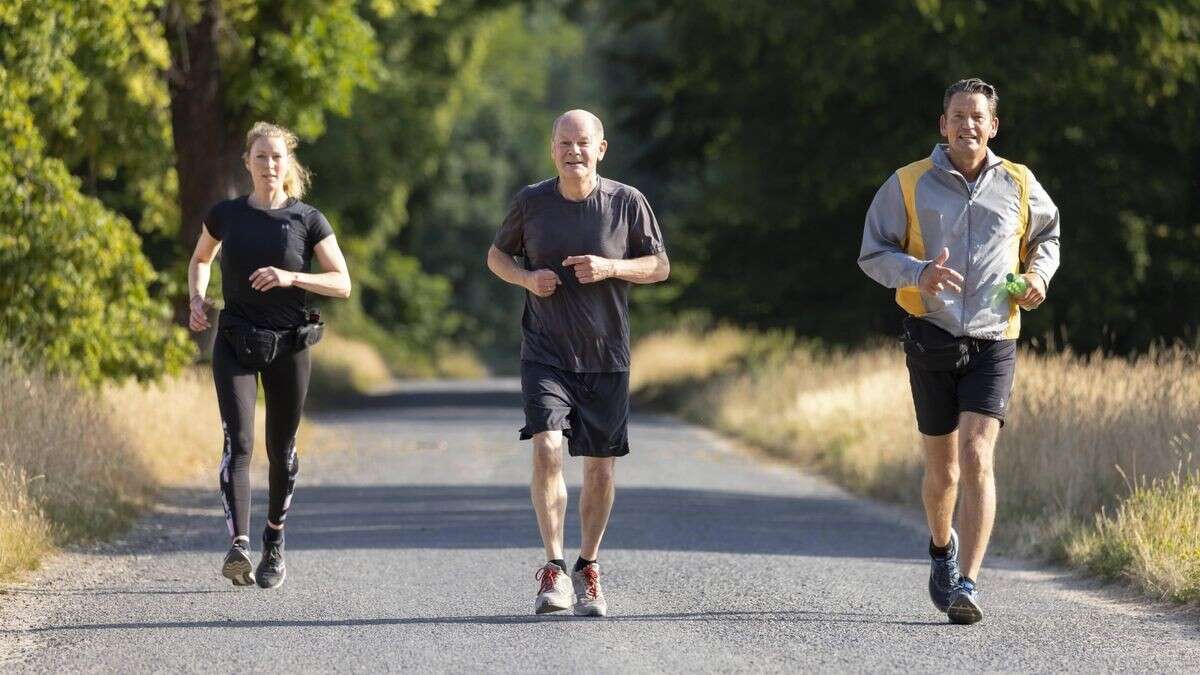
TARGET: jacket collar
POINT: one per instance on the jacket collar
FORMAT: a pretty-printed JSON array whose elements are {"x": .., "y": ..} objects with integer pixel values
[{"x": 941, "y": 159}]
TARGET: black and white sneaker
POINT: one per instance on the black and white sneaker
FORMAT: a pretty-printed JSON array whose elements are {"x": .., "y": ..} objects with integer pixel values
[
  {"x": 236, "y": 566},
  {"x": 943, "y": 573},
  {"x": 271, "y": 569},
  {"x": 964, "y": 604}
]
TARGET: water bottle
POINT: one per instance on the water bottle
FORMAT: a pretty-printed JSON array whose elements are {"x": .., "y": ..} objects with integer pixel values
[{"x": 1015, "y": 285}]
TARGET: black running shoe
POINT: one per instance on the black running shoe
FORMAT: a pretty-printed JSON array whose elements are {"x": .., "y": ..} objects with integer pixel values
[
  {"x": 271, "y": 571},
  {"x": 964, "y": 604},
  {"x": 237, "y": 566},
  {"x": 943, "y": 574}
]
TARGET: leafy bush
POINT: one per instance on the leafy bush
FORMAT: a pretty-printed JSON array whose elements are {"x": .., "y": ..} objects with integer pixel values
[{"x": 75, "y": 283}]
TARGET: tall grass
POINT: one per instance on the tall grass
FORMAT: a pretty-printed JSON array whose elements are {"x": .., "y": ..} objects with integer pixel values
[
  {"x": 1078, "y": 425},
  {"x": 1153, "y": 539},
  {"x": 346, "y": 367},
  {"x": 25, "y": 531},
  {"x": 79, "y": 465},
  {"x": 68, "y": 457}
]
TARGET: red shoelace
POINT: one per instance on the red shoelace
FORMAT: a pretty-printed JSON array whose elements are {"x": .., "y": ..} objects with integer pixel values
[
  {"x": 547, "y": 575},
  {"x": 592, "y": 576}
]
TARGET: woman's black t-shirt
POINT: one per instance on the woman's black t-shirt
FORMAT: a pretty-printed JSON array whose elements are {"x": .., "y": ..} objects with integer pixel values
[{"x": 252, "y": 238}]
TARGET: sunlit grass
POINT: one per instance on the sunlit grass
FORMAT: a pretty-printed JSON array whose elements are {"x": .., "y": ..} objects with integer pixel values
[
  {"x": 345, "y": 367},
  {"x": 1151, "y": 538},
  {"x": 79, "y": 470},
  {"x": 25, "y": 532},
  {"x": 80, "y": 465},
  {"x": 1075, "y": 424}
]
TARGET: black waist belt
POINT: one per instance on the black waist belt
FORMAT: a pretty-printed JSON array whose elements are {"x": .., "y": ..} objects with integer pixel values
[
  {"x": 932, "y": 348},
  {"x": 256, "y": 347}
]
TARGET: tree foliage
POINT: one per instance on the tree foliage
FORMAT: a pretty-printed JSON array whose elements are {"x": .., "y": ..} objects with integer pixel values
[
  {"x": 75, "y": 282},
  {"x": 237, "y": 61},
  {"x": 769, "y": 126},
  {"x": 508, "y": 91},
  {"x": 426, "y": 166}
]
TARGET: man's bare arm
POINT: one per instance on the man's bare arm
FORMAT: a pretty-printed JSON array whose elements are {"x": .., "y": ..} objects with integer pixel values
[
  {"x": 541, "y": 283},
  {"x": 647, "y": 269}
]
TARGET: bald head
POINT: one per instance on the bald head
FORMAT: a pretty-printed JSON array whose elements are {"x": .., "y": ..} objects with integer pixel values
[
  {"x": 580, "y": 119},
  {"x": 577, "y": 145}
]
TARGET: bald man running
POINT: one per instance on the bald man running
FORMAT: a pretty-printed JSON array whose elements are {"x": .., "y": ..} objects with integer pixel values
[{"x": 582, "y": 241}]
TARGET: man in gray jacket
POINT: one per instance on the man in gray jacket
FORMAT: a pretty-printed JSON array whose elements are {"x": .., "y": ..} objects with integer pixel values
[{"x": 946, "y": 232}]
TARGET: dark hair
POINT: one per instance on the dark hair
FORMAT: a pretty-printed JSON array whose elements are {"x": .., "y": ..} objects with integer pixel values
[{"x": 972, "y": 85}]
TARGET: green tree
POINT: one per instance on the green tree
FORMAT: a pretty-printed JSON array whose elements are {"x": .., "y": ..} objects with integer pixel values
[
  {"x": 374, "y": 167},
  {"x": 235, "y": 61},
  {"x": 507, "y": 92},
  {"x": 768, "y": 128},
  {"x": 458, "y": 123},
  {"x": 75, "y": 282}
]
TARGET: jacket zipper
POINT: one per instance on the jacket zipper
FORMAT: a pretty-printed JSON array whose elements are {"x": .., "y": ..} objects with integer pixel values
[{"x": 962, "y": 308}]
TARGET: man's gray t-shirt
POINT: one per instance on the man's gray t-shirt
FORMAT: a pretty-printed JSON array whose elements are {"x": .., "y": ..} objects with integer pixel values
[{"x": 581, "y": 327}]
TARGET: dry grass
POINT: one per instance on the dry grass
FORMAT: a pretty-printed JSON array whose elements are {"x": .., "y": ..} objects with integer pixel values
[
  {"x": 672, "y": 357},
  {"x": 183, "y": 410},
  {"x": 458, "y": 363},
  {"x": 1075, "y": 420},
  {"x": 81, "y": 474},
  {"x": 1152, "y": 539},
  {"x": 1075, "y": 425},
  {"x": 345, "y": 367},
  {"x": 24, "y": 530},
  {"x": 79, "y": 465}
]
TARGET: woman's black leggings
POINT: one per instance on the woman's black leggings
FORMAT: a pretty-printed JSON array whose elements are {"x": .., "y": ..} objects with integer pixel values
[{"x": 285, "y": 383}]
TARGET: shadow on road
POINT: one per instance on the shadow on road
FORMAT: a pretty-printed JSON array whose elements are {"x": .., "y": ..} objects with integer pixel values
[
  {"x": 463, "y": 398},
  {"x": 718, "y": 616},
  {"x": 326, "y": 517}
]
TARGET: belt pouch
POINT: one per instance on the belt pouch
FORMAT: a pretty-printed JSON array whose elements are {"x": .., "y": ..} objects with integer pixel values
[
  {"x": 256, "y": 348},
  {"x": 931, "y": 348}
]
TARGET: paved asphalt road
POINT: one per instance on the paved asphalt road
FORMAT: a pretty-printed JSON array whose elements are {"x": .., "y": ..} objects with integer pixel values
[{"x": 415, "y": 549}]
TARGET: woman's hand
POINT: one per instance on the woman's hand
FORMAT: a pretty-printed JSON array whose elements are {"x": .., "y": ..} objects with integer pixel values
[
  {"x": 266, "y": 278},
  {"x": 198, "y": 317}
]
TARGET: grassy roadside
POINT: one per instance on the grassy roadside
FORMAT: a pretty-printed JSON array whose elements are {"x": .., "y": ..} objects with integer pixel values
[
  {"x": 344, "y": 367},
  {"x": 1094, "y": 467},
  {"x": 79, "y": 466}
]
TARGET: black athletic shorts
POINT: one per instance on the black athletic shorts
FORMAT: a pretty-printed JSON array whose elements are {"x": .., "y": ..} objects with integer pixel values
[
  {"x": 980, "y": 380},
  {"x": 591, "y": 409}
]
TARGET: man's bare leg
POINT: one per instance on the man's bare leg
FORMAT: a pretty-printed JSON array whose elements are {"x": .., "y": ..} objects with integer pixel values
[
  {"x": 595, "y": 503},
  {"x": 939, "y": 489},
  {"x": 548, "y": 491},
  {"x": 977, "y": 441}
]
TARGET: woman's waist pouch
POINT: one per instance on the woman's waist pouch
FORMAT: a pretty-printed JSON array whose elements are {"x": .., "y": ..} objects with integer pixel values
[{"x": 257, "y": 347}]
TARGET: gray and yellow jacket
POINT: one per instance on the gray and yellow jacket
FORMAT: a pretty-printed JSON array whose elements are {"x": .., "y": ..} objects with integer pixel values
[{"x": 1006, "y": 224}]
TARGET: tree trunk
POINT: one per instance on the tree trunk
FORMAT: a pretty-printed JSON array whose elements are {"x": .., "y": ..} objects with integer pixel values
[{"x": 206, "y": 152}]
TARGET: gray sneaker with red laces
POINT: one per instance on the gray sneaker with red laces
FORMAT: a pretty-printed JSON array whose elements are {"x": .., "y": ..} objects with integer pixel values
[
  {"x": 589, "y": 598},
  {"x": 554, "y": 593}
]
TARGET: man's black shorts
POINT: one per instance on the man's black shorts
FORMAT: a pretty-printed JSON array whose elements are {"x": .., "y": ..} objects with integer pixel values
[
  {"x": 983, "y": 384},
  {"x": 591, "y": 409}
]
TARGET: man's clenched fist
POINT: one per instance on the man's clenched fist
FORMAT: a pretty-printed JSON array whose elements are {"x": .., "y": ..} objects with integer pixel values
[
  {"x": 1035, "y": 294},
  {"x": 542, "y": 283},
  {"x": 591, "y": 268}
]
